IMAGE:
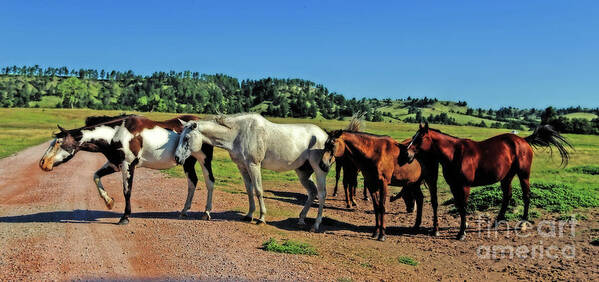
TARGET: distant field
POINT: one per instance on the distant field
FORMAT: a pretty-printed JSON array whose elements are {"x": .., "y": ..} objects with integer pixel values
[
  {"x": 21, "y": 128},
  {"x": 588, "y": 116}
]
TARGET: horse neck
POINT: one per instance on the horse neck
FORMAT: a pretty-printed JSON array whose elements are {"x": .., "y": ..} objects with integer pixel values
[
  {"x": 443, "y": 146},
  {"x": 355, "y": 148},
  {"x": 218, "y": 135}
]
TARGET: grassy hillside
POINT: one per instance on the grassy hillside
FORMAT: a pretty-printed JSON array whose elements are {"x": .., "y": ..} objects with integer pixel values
[{"x": 587, "y": 116}]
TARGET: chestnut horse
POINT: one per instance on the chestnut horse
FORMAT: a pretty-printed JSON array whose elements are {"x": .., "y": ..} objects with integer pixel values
[
  {"x": 467, "y": 163},
  {"x": 377, "y": 158}
]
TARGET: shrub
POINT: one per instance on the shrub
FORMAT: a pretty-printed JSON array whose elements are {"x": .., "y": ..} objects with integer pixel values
[{"x": 407, "y": 260}]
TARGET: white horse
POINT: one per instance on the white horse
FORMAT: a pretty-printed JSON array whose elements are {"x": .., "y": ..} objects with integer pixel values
[{"x": 254, "y": 143}]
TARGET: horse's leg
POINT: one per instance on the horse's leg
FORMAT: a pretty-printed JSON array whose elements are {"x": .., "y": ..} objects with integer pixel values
[
  {"x": 321, "y": 182},
  {"x": 354, "y": 187},
  {"x": 525, "y": 185},
  {"x": 346, "y": 190},
  {"x": 415, "y": 189},
  {"x": 365, "y": 198},
  {"x": 209, "y": 181},
  {"x": 304, "y": 178},
  {"x": 107, "y": 169},
  {"x": 506, "y": 187},
  {"x": 375, "y": 206},
  {"x": 431, "y": 182},
  {"x": 247, "y": 180},
  {"x": 460, "y": 196},
  {"x": 256, "y": 177},
  {"x": 382, "y": 209},
  {"x": 192, "y": 181},
  {"x": 127, "y": 170},
  {"x": 338, "y": 167}
]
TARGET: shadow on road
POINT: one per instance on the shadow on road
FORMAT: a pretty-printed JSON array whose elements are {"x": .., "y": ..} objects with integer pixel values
[{"x": 94, "y": 216}]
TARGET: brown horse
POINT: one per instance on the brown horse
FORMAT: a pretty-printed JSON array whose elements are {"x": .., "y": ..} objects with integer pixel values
[
  {"x": 377, "y": 158},
  {"x": 350, "y": 181},
  {"x": 467, "y": 163}
]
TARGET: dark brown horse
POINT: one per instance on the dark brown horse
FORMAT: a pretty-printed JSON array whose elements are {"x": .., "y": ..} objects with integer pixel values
[
  {"x": 349, "y": 182},
  {"x": 377, "y": 158},
  {"x": 467, "y": 163}
]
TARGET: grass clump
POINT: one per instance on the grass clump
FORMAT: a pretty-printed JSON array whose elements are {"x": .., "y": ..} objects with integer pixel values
[
  {"x": 407, "y": 260},
  {"x": 289, "y": 247},
  {"x": 595, "y": 242},
  {"x": 585, "y": 169},
  {"x": 560, "y": 198}
]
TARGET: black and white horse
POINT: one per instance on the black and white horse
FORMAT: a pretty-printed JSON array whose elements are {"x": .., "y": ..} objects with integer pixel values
[{"x": 130, "y": 141}]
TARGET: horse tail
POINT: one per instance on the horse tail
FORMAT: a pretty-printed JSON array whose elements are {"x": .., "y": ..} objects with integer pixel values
[{"x": 546, "y": 136}]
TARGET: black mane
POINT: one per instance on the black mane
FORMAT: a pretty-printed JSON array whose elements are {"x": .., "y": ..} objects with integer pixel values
[
  {"x": 95, "y": 120},
  {"x": 91, "y": 121}
]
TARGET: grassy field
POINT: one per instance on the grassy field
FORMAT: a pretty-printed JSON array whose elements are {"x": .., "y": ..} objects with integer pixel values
[
  {"x": 21, "y": 128},
  {"x": 588, "y": 116}
]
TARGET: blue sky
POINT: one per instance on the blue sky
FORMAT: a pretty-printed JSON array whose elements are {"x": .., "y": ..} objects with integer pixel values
[{"x": 489, "y": 53}]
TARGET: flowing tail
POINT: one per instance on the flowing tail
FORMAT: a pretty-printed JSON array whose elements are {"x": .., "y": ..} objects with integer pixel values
[{"x": 546, "y": 136}]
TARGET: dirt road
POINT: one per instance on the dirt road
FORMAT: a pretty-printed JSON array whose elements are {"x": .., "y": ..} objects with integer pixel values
[{"x": 54, "y": 226}]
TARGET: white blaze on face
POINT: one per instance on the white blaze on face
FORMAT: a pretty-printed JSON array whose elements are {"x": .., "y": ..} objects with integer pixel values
[{"x": 54, "y": 155}]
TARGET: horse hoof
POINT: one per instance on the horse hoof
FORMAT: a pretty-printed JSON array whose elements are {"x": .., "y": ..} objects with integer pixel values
[
  {"x": 206, "y": 216},
  {"x": 334, "y": 194},
  {"x": 461, "y": 237},
  {"x": 365, "y": 198},
  {"x": 524, "y": 225},
  {"x": 375, "y": 234},
  {"x": 382, "y": 238},
  {"x": 182, "y": 215},
  {"x": 436, "y": 234},
  {"x": 347, "y": 206},
  {"x": 260, "y": 222},
  {"x": 123, "y": 221},
  {"x": 110, "y": 204}
]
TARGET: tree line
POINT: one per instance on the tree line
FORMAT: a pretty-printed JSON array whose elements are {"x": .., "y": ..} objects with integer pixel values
[{"x": 185, "y": 91}]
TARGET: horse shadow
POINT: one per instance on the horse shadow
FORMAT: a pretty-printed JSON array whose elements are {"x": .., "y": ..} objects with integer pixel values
[
  {"x": 95, "y": 216},
  {"x": 332, "y": 225},
  {"x": 299, "y": 199}
]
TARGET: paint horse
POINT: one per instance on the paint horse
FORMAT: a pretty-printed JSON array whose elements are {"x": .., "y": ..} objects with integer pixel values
[
  {"x": 254, "y": 143},
  {"x": 467, "y": 163},
  {"x": 377, "y": 157},
  {"x": 130, "y": 141}
]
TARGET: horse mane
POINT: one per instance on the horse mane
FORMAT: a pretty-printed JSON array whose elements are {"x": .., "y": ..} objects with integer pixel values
[
  {"x": 91, "y": 121},
  {"x": 95, "y": 120},
  {"x": 356, "y": 123},
  {"x": 221, "y": 119},
  {"x": 439, "y": 131}
]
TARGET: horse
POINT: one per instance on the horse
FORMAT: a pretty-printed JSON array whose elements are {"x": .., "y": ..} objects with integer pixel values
[
  {"x": 467, "y": 163},
  {"x": 377, "y": 157},
  {"x": 350, "y": 172},
  {"x": 127, "y": 142},
  {"x": 254, "y": 143}
]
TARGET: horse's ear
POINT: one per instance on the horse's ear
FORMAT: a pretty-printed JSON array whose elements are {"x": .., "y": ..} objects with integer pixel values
[
  {"x": 183, "y": 123},
  {"x": 327, "y": 132},
  {"x": 426, "y": 125},
  {"x": 61, "y": 129}
]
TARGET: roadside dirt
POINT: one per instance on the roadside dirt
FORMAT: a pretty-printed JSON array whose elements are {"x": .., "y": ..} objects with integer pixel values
[{"x": 54, "y": 226}]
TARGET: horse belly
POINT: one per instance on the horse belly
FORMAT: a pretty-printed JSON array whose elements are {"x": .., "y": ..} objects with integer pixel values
[{"x": 158, "y": 151}]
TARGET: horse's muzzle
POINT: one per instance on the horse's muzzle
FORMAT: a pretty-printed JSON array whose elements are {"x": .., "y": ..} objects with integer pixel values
[{"x": 46, "y": 166}]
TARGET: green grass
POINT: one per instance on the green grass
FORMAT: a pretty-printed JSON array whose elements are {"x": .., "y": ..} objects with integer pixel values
[
  {"x": 595, "y": 242},
  {"x": 558, "y": 198},
  {"x": 407, "y": 260},
  {"x": 585, "y": 169},
  {"x": 289, "y": 247}
]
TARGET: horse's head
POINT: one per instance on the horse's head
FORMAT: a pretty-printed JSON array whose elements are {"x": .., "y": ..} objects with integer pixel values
[
  {"x": 61, "y": 149},
  {"x": 334, "y": 147},
  {"x": 190, "y": 140},
  {"x": 421, "y": 141}
]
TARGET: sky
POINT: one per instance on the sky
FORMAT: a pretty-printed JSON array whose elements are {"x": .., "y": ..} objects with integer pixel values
[{"x": 488, "y": 53}]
